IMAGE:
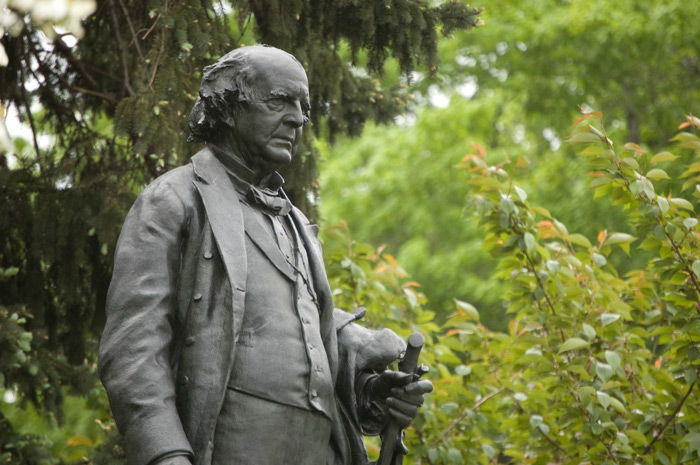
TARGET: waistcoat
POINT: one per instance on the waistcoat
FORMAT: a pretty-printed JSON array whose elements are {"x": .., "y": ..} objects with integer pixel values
[{"x": 280, "y": 354}]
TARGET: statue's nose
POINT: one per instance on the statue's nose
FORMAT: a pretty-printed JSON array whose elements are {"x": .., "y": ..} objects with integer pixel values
[{"x": 294, "y": 115}]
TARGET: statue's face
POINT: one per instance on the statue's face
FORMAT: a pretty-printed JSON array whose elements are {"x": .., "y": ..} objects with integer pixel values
[{"x": 267, "y": 131}]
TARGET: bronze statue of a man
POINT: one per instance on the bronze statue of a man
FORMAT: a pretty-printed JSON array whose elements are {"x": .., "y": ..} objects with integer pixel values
[{"x": 222, "y": 345}]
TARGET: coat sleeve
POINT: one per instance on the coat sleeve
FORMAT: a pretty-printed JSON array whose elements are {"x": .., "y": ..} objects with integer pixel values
[
  {"x": 134, "y": 356},
  {"x": 360, "y": 351}
]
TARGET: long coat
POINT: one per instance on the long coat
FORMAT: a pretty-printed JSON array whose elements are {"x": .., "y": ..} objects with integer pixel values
[
  {"x": 174, "y": 313},
  {"x": 175, "y": 307}
]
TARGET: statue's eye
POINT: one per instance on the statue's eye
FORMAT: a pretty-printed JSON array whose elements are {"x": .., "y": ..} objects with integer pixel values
[{"x": 275, "y": 104}]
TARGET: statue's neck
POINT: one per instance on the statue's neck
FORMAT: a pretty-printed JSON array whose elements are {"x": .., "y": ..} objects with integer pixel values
[{"x": 245, "y": 167}]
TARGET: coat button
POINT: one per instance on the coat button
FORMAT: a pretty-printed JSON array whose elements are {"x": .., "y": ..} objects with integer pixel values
[
  {"x": 314, "y": 394},
  {"x": 208, "y": 255},
  {"x": 189, "y": 341},
  {"x": 184, "y": 380},
  {"x": 197, "y": 297}
]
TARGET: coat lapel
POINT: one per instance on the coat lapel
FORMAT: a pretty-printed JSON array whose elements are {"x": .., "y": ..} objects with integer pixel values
[
  {"x": 262, "y": 239},
  {"x": 224, "y": 214}
]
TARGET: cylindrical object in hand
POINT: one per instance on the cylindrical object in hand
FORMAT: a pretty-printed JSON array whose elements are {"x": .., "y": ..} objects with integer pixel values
[{"x": 409, "y": 362}]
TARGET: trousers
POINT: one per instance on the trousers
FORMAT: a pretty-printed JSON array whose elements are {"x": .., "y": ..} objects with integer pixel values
[{"x": 255, "y": 431}]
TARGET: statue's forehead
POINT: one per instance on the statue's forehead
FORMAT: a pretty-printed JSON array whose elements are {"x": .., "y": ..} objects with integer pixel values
[{"x": 281, "y": 79}]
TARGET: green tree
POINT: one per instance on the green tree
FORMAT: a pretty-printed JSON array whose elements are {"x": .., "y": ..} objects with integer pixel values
[
  {"x": 524, "y": 78},
  {"x": 595, "y": 367}
]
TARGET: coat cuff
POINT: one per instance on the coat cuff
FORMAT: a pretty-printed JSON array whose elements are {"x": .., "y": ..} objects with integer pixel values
[{"x": 155, "y": 438}]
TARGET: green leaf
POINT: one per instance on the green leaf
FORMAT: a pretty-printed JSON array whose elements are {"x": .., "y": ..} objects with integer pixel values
[
  {"x": 454, "y": 456},
  {"x": 589, "y": 331},
  {"x": 617, "y": 405},
  {"x": 691, "y": 375},
  {"x": 604, "y": 371},
  {"x": 622, "y": 437},
  {"x": 690, "y": 223},
  {"x": 617, "y": 238},
  {"x": 584, "y": 138},
  {"x": 449, "y": 408},
  {"x": 433, "y": 454},
  {"x": 657, "y": 173},
  {"x": 579, "y": 239},
  {"x": 631, "y": 162},
  {"x": 696, "y": 268},
  {"x": 614, "y": 359},
  {"x": 468, "y": 308},
  {"x": 463, "y": 370},
  {"x": 529, "y": 241},
  {"x": 599, "y": 260},
  {"x": 663, "y": 204},
  {"x": 521, "y": 193},
  {"x": 507, "y": 205},
  {"x": 682, "y": 203},
  {"x": 663, "y": 156},
  {"x": 603, "y": 399},
  {"x": 542, "y": 211},
  {"x": 608, "y": 318},
  {"x": 572, "y": 344},
  {"x": 536, "y": 420},
  {"x": 636, "y": 437}
]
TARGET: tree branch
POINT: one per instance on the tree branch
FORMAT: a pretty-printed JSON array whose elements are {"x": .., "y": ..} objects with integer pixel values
[
  {"x": 464, "y": 414},
  {"x": 135, "y": 39},
  {"x": 670, "y": 418},
  {"x": 120, "y": 45}
]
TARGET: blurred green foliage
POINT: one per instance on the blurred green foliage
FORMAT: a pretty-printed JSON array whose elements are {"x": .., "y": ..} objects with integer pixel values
[
  {"x": 595, "y": 367},
  {"x": 514, "y": 91}
]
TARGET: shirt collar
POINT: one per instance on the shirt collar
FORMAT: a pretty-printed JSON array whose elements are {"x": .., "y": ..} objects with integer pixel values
[{"x": 242, "y": 176}]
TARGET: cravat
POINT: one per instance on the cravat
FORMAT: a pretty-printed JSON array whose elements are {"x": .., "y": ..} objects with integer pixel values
[{"x": 268, "y": 201}]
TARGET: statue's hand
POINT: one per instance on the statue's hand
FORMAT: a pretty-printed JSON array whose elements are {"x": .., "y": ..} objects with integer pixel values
[{"x": 402, "y": 395}]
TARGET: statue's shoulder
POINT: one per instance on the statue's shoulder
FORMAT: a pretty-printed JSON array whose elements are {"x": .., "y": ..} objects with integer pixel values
[{"x": 179, "y": 182}]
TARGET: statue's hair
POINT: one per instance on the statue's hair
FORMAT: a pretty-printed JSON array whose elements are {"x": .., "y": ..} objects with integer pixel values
[{"x": 225, "y": 84}]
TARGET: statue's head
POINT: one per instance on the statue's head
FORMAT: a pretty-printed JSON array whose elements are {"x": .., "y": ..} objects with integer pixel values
[{"x": 254, "y": 101}]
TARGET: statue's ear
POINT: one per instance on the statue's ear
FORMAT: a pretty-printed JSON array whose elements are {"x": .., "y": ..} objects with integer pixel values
[{"x": 197, "y": 121}]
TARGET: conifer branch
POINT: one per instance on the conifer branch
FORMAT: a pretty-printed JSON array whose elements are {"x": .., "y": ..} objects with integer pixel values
[
  {"x": 150, "y": 29},
  {"x": 135, "y": 39},
  {"x": 120, "y": 46},
  {"x": 107, "y": 97},
  {"x": 25, "y": 101}
]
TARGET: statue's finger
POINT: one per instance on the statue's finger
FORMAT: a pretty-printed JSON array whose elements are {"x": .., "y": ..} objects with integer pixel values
[
  {"x": 396, "y": 378},
  {"x": 401, "y": 419},
  {"x": 399, "y": 393},
  {"x": 422, "y": 386},
  {"x": 407, "y": 408}
]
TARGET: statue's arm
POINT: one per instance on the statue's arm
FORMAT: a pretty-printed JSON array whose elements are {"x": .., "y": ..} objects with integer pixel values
[{"x": 134, "y": 358}]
